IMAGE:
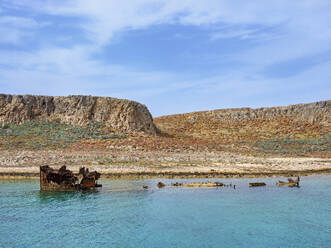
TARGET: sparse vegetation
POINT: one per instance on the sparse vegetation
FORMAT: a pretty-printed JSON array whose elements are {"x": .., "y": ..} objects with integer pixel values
[
  {"x": 283, "y": 136},
  {"x": 197, "y": 132},
  {"x": 300, "y": 147},
  {"x": 47, "y": 134}
]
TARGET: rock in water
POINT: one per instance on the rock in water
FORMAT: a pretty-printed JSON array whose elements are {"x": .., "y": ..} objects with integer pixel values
[
  {"x": 124, "y": 115},
  {"x": 160, "y": 185}
]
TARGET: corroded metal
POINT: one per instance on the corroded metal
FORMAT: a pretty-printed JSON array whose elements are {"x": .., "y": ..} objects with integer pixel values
[
  {"x": 194, "y": 185},
  {"x": 290, "y": 183},
  {"x": 258, "y": 184},
  {"x": 207, "y": 184},
  {"x": 64, "y": 179}
]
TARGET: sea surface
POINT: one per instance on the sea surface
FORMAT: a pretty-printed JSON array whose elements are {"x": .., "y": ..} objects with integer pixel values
[{"x": 121, "y": 214}]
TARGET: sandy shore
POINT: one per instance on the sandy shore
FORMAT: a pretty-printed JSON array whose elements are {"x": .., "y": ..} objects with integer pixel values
[{"x": 116, "y": 163}]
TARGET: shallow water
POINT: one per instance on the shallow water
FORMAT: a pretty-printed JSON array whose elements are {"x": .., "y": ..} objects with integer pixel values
[{"x": 122, "y": 215}]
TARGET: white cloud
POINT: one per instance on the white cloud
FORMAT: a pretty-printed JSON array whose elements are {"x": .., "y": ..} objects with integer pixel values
[
  {"x": 241, "y": 34},
  {"x": 284, "y": 29},
  {"x": 13, "y": 36},
  {"x": 15, "y": 29},
  {"x": 18, "y": 22},
  {"x": 106, "y": 17},
  {"x": 307, "y": 21},
  {"x": 71, "y": 71}
]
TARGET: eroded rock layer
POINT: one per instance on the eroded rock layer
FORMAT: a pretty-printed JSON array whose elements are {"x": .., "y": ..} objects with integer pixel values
[
  {"x": 317, "y": 112},
  {"x": 124, "y": 115}
]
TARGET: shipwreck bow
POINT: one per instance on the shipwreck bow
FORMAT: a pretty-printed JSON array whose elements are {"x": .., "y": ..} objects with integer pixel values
[{"x": 63, "y": 179}]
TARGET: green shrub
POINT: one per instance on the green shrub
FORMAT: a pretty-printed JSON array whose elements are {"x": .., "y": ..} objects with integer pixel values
[
  {"x": 51, "y": 134},
  {"x": 4, "y": 126},
  {"x": 295, "y": 146}
]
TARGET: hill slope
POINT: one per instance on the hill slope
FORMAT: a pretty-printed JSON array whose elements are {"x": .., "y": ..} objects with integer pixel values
[
  {"x": 295, "y": 129},
  {"x": 116, "y": 125},
  {"x": 267, "y": 141}
]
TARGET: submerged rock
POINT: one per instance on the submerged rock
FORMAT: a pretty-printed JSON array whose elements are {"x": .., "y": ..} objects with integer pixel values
[
  {"x": 160, "y": 185},
  {"x": 177, "y": 184}
]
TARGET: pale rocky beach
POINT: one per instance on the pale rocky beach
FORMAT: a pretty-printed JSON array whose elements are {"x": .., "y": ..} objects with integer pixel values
[{"x": 149, "y": 164}]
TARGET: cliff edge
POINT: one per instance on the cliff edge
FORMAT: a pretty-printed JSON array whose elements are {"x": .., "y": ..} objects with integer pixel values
[
  {"x": 316, "y": 112},
  {"x": 298, "y": 121},
  {"x": 123, "y": 115}
]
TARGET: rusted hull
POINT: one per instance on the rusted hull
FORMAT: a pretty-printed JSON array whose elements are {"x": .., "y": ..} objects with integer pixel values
[
  {"x": 64, "y": 180},
  {"x": 290, "y": 183},
  {"x": 287, "y": 184},
  {"x": 207, "y": 185},
  {"x": 259, "y": 184}
]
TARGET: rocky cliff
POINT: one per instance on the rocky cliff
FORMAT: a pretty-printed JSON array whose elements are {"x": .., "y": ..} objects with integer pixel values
[
  {"x": 233, "y": 125},
  {"x": 317, "y": 112},
  {"x": 123, "y": 115}
]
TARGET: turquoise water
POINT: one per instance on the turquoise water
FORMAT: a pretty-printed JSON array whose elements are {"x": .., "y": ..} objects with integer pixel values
[{"x": 122, "y": 215}]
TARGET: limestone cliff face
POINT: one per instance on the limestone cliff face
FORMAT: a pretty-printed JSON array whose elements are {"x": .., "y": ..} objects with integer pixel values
[
  {"x": 260, "y": 120},
  {"x": 124, "y": 115},
  {"x": 317, "y": 112}
]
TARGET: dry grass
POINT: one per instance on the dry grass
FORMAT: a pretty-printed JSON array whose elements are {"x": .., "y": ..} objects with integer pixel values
[
  {"x": 50, "y": 135},
  {"x": 282, "y": 136},
  {"x": 193, "y": 132}
]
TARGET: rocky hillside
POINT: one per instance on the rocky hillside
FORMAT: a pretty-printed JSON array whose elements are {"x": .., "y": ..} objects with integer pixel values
[
  {"x": 317, "y": 112},
  {"x": 123, "y": 115},
  {"x": 107, "y": 124},
  {"x": 295, "y": 129}
]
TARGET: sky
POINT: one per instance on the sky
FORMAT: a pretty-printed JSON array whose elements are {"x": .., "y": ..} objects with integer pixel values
[{"x": 174, "y": 56}]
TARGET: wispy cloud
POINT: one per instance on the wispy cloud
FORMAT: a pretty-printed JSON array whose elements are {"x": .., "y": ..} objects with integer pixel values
[
  {"x": 103, "y": 20},
  {"x": 228, "y": 34},
  {"x": 15, "y": 29},
  {"x": 263, "y": 34},
  {"x": 61, "y": 70},
  {"x": 100, "y": 25},
  {"x": 18, "y": 22}
]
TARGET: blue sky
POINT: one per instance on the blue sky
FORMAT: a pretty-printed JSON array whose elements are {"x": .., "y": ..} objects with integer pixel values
[{"x": 174, "y": 56}]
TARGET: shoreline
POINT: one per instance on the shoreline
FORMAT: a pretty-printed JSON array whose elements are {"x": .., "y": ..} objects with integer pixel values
[
  {"x": 158, "y": 164},
  {"x": 182, "y": 174}
]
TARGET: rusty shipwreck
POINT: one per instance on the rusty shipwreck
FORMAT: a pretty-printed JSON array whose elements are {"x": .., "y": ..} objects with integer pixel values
[
  {"x": 290, "y": 183},
  {"x": 65, "y": 180}
]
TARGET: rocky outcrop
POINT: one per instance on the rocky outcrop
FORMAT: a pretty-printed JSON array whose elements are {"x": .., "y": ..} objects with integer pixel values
[
  {"x": 124, "y": 115},
  {"x": 317, "y": 112},
  {"x": 250, "y": 125}
]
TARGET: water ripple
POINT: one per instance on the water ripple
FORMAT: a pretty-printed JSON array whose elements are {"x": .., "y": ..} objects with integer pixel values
[{"x": 122, "y": 215}]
